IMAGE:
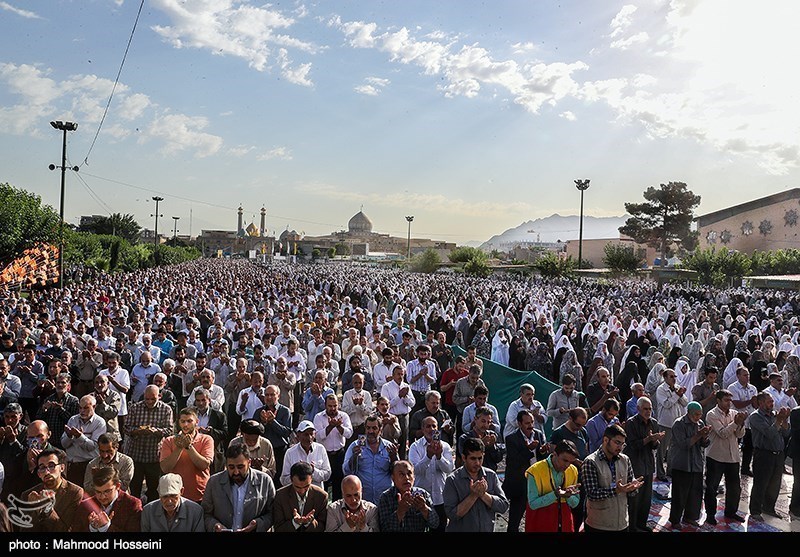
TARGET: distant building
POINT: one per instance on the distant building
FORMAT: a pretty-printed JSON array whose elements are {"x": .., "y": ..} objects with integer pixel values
[
  {"x": 242, "y": 241},
  {"x": 768, "y": 223},
  {"x": 362, "y": 241},
  {"x": 594, "y": 250}
]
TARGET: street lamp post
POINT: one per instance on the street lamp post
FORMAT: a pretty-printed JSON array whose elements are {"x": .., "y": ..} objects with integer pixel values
[
  {"x": 158, "y": 200},
  {"x": 64, "y": 127},
  {"x": 408, "y": 248},
  {"x": 175, "y": 232},
  {"x": 582, "y": 185}
]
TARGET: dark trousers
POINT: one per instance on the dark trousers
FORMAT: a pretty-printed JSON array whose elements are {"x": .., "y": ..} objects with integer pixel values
[
  {"x": 639, "y": 505},
  {"x": 279, "y": 453},
  {"x": 794, "y": 504},
  {"x": 149, "y": 472},
  {"x": 29, "y": 406},
  {"x": 733, "y": 486},
  {"x": 336, "y": 459},
  {"x": 439, "y": 510},
  {"x": 687, "y": 496},
  {"x": 75, "y": 472},
  {"x": 747, "y": 450},
  {"x": 579, "y": 512},
  {"x": 516, "y": 510},
  {"x": 419, "y": 401},
  {"x": 767, "y": 474},
  {"x": 402, "y": 451}
]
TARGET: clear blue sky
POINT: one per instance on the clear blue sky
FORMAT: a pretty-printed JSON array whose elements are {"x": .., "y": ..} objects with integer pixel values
[{"x": 471, "y": 116}]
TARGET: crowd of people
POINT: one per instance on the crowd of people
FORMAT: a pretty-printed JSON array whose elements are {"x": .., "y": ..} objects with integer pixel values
[{"x": 224, "y": 395}]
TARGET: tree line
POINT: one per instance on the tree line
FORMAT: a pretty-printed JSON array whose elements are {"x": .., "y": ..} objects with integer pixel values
[{"x": 107, "y": 243}]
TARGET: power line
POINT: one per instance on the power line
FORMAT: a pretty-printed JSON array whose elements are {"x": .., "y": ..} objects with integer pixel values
[
  {"x": 116, "y": 81},
  {"x": 214, "y": 205}
]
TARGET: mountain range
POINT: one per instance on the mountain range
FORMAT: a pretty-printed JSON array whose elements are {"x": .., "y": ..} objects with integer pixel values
[{"x": 555, "y": 228}]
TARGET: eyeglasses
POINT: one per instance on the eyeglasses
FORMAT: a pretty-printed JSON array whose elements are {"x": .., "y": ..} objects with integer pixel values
[{"x": 49, "y": 467}]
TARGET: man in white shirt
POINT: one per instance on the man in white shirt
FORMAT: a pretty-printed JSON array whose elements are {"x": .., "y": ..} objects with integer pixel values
[
  {"x": 252, "y": 398},
  {"x": 672, "y": 402},
  {"x": 333, "y": 429},
  {"x": 744, "y": 400},
  {"x": 782, "y": 399},
  {"x": 295, "y": 361},
  {"x": 307, "y": 450},
  {"x": 433, "y": 461},
  {"x": 401, "y": 401},
  {"x": 383, "y": 371},
  {"x": 80, "y": 438},
  {"x": 524, "y": 402},
  {"x": 142, "y": 375},
  {"x": 207, "y": 382}
]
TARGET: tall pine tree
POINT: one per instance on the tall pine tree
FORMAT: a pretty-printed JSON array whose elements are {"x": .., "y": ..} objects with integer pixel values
[{"x": 665, "y": 218}]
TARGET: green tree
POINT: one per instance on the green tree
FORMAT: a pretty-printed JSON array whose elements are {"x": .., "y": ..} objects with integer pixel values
[
  {"x": 551, "y": 265},
  {"x": 124, "y": 226},
  {"x": 25, "y": 222},
  {"x": 718, "y": 268},
  {"x": 342, "y": 249},
  {"x": 621, "y": 260},
  {"x": 665, "y": 217},
  {"x": 477, "y": 267},
  {"x": 426, "y": 262},
  {"x": 462, "y": 254}
]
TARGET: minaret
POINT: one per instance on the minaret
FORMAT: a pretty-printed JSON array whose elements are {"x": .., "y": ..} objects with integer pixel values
[
  {"x": 239, "y": 225},
  {"x": 263, "y": 221}
]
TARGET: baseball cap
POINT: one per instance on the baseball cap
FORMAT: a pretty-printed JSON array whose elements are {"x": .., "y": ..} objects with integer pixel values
[
  {"x": 170, "y": 484},
  {"x": 304, "y": 425}
]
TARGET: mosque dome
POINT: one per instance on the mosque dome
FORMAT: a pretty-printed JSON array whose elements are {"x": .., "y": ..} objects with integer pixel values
[{"x": 360, "y": 224}]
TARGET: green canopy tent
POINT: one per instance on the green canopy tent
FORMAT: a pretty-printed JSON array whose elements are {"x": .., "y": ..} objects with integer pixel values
[{"x": 503, "y": 383}]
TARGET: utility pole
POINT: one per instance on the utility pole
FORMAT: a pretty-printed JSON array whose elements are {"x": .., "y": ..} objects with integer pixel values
[
  {"x": 158, "y": 200},
  {"x": 65, "y": 127},
  {"x": 410, "y": 219},
  {"x": 582, "y": 185},
  {"x": 175, "y": 232}
]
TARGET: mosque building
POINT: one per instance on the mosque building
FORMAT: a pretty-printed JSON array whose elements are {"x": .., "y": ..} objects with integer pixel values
[
  {"x": 364, "y": 242},
  {"x": 360, "y": 238}
]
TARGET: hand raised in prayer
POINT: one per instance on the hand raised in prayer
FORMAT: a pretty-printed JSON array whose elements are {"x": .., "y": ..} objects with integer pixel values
[
  {"x": 99, "y": 519},
  {"x": 418, "y": 502},
  {"x": 404, "y": 501},
  {"x": 478, "y": 488},
  {"x": 304, "y": 519},
  {"x": 251, "y": 527},
  {"x": 356, "y": 520}
]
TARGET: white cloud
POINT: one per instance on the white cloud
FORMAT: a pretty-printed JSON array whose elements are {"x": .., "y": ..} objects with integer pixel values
[
  {"x": 624, "y": 44},
  {"x": 228, "y": 27},
  {"x": 280, "y": 153},
  {"x": 441, "y": 204},
  {"x": 297, "y": 75},
  {"x": 567, "y": 115},
  {"x": 19, "y": 11},
  {"x": 369, "y": 90},
  {"x": 716, "y": 73},
  {"x": 240, "y": 150},
  {"x": 133, "y": 106},
  {"x": 83, "y": 98},
  {"x": 469, "y": 68},
  {"x": 523, "y": 48},
  {"x": 622, "y": 20},
  {"x": 180, "y": 132},
  {"x": 373, "y": 86}
]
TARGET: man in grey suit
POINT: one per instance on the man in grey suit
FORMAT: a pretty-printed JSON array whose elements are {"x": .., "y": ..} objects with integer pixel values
[
  {"x": 171, "y": 512},
  {"x": 240, "y": 498}
]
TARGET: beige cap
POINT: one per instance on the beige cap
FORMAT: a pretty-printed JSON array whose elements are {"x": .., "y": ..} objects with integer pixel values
[{"x": 170, "y": 484}]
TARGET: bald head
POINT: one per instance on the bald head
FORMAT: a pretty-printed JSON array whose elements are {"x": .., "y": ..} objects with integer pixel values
[{"x": 351, "y": 492}]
